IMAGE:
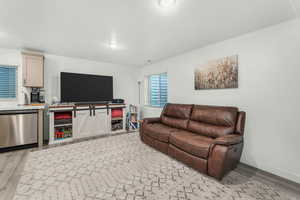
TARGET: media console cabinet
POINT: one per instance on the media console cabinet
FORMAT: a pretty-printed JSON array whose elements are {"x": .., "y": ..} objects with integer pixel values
[{"x": 68, "y": 123}]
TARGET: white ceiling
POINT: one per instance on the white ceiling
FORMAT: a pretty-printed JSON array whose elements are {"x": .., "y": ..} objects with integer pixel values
[{"x": 82, "y": 28}]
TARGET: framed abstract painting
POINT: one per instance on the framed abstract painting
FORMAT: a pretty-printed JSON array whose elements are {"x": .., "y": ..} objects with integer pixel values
[{"x": 217, "y": 74}]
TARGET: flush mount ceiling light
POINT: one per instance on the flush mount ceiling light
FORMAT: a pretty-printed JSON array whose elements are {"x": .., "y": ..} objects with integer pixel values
[
  {"x": 113, "y": 44},
  {"x": 166, "y": 3}
]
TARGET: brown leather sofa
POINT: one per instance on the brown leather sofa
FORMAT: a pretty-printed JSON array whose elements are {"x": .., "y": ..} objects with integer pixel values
[{"x": 206, "y": 138}]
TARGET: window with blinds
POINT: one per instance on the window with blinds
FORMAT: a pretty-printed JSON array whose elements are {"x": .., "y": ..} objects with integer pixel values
[
  {"x": 158, "y": 90},
  {"x": 8, "y": 82}
]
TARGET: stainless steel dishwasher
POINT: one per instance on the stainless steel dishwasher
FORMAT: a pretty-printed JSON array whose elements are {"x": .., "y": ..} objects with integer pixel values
[{"x": 18, "y": 128}]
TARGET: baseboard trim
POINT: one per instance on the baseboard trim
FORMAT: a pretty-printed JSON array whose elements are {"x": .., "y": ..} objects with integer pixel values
[
  {"x": 277, "y": 180},
  {"x": 276, "y": 171}
]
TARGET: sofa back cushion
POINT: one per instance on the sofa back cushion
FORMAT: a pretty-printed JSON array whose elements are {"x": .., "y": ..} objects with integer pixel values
[
  {"x": 213, "y": 121},
  {"x": 176, "y": 115}
]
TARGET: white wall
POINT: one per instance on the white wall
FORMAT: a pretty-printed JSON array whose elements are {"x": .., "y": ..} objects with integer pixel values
[
  {"x": 125, "y": 77},
  {"x": 269, "y": 70}
]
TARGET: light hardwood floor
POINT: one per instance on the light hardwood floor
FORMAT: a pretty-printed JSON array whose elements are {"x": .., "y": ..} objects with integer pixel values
[{"x": 12, "y": 164}]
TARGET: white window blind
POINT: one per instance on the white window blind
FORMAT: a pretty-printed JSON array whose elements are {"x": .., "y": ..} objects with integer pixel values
[
  {"x": 158, "y": 90},
  {"x": 8, "y": 82}
]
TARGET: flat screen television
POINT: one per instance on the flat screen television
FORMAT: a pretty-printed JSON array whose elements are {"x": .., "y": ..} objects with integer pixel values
[{"x": 83, "y": 88}]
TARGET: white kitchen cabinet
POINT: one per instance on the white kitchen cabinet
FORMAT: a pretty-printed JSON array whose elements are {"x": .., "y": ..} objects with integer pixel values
[{"x": 33, "y": 70}]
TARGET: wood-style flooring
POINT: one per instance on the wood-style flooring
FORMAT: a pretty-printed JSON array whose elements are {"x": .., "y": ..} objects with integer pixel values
[{"x": 11, "y": 166}]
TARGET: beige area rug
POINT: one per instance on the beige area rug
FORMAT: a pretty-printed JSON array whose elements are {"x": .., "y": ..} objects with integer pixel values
[{"x": 122, "y": 167}]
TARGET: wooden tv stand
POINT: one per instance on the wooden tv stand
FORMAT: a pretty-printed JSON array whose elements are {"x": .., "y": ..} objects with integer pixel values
[{"x": 70, "y": 122}]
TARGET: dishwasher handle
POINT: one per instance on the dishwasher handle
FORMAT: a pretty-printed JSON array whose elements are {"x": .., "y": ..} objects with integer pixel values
[{"x": 16, "y": 112}]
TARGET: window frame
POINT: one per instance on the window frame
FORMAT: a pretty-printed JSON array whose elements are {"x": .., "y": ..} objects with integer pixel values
[
  {"x": 148, "y": 93},
  {"x": 16, "y": 84}
]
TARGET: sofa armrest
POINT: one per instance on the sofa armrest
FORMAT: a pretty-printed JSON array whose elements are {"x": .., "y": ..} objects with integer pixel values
[
  {"x": 145, "y": 122},
  {"x": 228, "y": 140},
  {"x": 151, "y": 120},
  {"x": 223, "y": 159}
]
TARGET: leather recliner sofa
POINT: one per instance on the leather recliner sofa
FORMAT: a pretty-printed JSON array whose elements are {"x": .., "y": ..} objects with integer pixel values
[{"x": 206, "y": 138}]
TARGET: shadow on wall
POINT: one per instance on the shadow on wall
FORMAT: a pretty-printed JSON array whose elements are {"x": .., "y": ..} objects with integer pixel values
[
  {"x": 53, "y": 89},
  {"x": 247, "y": 156}
]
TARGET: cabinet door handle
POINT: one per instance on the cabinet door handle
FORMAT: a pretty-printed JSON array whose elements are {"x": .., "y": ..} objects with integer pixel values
[
  {"x": 74, "y": 110},
  {"x": 90, "y": 107}
]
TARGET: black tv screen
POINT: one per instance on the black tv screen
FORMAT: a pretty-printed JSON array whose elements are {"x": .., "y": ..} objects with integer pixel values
[{"x": 85, "y": 87}]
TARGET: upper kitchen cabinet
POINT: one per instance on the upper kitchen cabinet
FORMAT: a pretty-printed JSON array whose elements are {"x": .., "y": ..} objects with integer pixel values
[{"x": 33, "y": 70}]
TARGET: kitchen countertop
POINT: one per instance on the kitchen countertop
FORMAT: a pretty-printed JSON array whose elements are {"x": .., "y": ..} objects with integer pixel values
[{"x": 20, "y": 107}]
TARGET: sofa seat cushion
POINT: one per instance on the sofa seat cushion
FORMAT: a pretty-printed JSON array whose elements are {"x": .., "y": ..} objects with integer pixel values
[
  {"x": 158, "y": 131},
  {"x": 194, "y": 144}
]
